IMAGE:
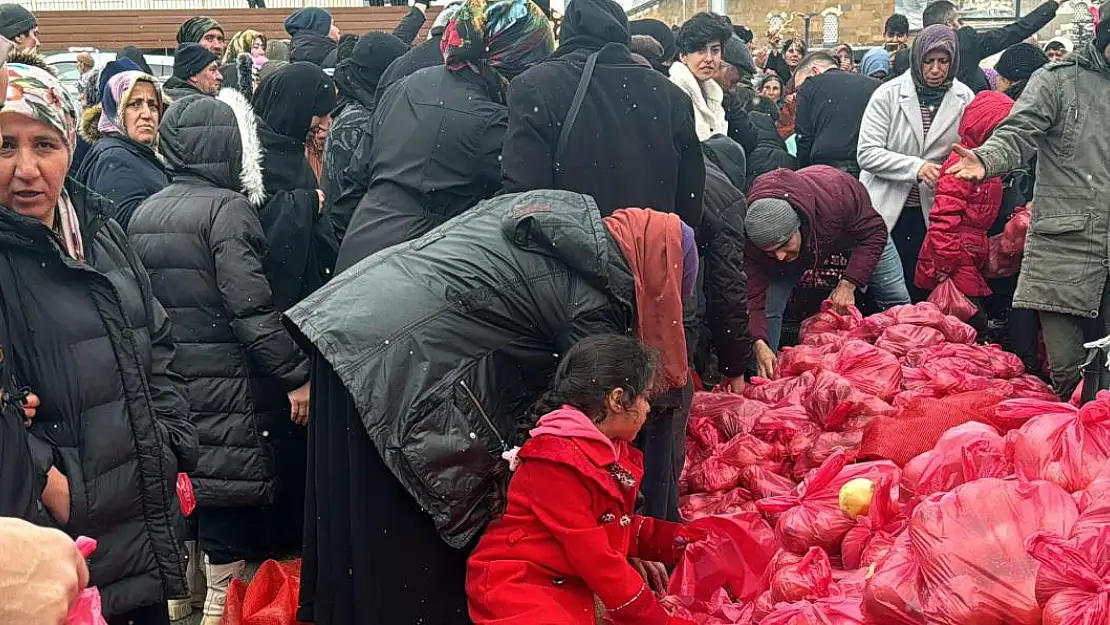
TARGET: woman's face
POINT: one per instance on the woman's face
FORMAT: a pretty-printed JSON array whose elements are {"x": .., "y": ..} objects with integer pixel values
[
  {"x": 935, "y": 68},
  {"x": 771, "y": 89},
  {"x": 34, "y": 160},
  {"x": 258, "y": 48},
  {"x": 143, "y": 112},
  {"x": 318, "y": 132},
  {"x": 794, "y": 54},
  {"x": 704, "y": 63}
]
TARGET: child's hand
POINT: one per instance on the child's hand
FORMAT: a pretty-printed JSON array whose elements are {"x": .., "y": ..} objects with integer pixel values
[
  {"x": 689, "y": 534},
  {"x": 654, "y": 573}
]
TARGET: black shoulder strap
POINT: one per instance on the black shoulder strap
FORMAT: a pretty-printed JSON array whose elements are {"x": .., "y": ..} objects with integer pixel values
[{"x": 575, "y": 106}]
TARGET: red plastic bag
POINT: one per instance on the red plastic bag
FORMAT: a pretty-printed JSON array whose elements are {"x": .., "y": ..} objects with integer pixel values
[
  {"x": 270, "y": 598},
  {"x": 834, "y": 402},
  {"x": 795, "y": 579},
  {"x": 900, "y": 339},
  {"x": 1014, "y": 413},
  {"x": 185, "y": 494},
  {"x": 730, "y": 413},
  {"x": 1073, "y": 584},
  {"x": 828, "y": 321},
  {"x": 951, "y": 301},
  {"x": 869, "y": 369},
  {"x": 963, "y": 454},
  {"x": 698, "y": 505},
  {"x": 811, "y": 515},
  {"x": 893, "y": 596},
  {"x": 1005, "y": 250},
  {"x": 734, "y": 556},
  {"x": 763, "y": 483},
  {"x": 85, "y": 610},
  {"x": 970, "y": 545},
  {"x": 771, "y": 392},
  {"x": 1067, "y": 447},
  {"x": 838, "y": 609},
  {"x": 720, "y": 610},
  {"x": 799, "y": 359},
  {"x": 881, "y": 523}
]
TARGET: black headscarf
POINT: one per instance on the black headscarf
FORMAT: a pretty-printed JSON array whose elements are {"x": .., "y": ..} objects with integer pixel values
[
  {"x": 660, "y": 32},
  {"x": 357, "y": 77},
  {"x": 590, "y": 24},
  {"x": 288, "y": 99},
  {"x": 136, "y": 55}
]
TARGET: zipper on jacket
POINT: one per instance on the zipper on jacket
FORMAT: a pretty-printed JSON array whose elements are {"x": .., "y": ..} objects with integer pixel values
[{"x": 484, "y": 414}]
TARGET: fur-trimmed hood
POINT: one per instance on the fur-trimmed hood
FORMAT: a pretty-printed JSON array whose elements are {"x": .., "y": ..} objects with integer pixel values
[
  {"x": 215, "y": 139},
  {"x": 89, "y": 124}
]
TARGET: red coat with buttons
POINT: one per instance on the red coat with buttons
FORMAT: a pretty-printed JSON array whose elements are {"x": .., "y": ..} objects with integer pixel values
[
  {"x": 566, "y": 535},
  {"x": 955, "y": 244}
]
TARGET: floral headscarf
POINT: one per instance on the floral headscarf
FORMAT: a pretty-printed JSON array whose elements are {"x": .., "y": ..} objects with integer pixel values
[
  {"x": 507, "y": 35},
  {"x": 242, "y": 43},
  {"x": 33, "y": 92},
  {"x": 117, "y": 94}
]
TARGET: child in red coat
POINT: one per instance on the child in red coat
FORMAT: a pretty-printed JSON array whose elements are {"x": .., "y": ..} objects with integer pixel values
[
  {"x": 569, "y": 526},
  {"x": 955, "y": 246}
]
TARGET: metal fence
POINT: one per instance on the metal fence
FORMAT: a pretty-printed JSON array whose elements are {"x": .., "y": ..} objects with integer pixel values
[{"x": 199, "y": 5}]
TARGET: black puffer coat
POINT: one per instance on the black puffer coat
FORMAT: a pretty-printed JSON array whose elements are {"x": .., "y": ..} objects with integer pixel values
[
  {"x": 92, "y": 341},
  {"x": 770, "y": 153},
  {"x": 503, "y": 290},
  {"x": 435, "y": 152},
  {"x": 202, "y": 243}
]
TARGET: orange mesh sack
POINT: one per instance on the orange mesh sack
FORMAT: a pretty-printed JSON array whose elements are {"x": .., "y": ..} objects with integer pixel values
[
  {"x": 269, "y": 599},
  {"x": 922, "y": 421}
]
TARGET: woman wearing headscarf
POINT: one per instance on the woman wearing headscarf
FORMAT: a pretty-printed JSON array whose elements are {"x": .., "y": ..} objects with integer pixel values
[
  {"x": 875, "y": 64},
  {"x": 907, "y": 131},
  {"x": 292, "y": 105},
  {"x": 136, "y": 56},
  {"x": 357, "y": 79},
  {"x": 123, "y": 164},
  {"x": 87, "y": 337},
  {"x": 249, "y": 42},
  {"x": 785, "y": 62},
  {"x": 436, "y": 146}
]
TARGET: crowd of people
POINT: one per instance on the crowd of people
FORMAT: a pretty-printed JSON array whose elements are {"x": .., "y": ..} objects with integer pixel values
[{"x": 350, "y": 285}]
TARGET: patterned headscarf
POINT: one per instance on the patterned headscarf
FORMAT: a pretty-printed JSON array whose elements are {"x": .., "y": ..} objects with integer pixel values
[
  {"x": 33, "y": 92},
  {"x": 117, "y": 93},
  {"x": 506, "y": 35},
  {"x": 935, "y": 38},
  {"x": 241, "y": 43}
]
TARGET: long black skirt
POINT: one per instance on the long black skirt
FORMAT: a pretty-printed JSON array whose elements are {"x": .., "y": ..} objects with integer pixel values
[{"x": 371, "y": 555}]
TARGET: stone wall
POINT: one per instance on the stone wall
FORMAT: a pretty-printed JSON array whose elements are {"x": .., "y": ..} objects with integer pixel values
[{"x": 861, "y": 21}]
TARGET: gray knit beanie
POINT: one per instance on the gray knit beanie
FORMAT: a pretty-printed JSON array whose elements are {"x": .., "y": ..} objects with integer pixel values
[{"x": 770, "y": 222}]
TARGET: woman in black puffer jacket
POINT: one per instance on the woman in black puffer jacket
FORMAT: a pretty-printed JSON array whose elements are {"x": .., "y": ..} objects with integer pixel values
[
  {"x": 203, "y": 244},
  {"x": 87, "y": 336}
]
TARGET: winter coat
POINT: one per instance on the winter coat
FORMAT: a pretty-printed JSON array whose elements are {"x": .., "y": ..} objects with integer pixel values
[
  {"x": 302, "y": 244},
  {"x": 724, "y": 283},
  {"x": 122, "y": 170},
  {"x": 20, "y": 485},
  {"x": 566, "y": 534},
  {"x": 95, "y": 345},
  {"x": 836, "y": 215},
  {"x": 427, "y": 54},
  {"x": 662, "y": 168},
  {"x": 175, "y": 88},
  {"x": 503, "y": 289},
  {"x": 830, "y": 107},
  {"x": 707, "y": 98},
  {"x": 435, "y": 152},
  {"x": 347, "y": 130},
  {"x": 740, "y": 128},
  {"x": 955, "y": 245},
  {"x": 311, "y": 48},
  {"x": 202, "y": 243},
  {"x": 892, "y": 146},
  {"x": 770, "y": 152},
  {"x": 1062, "y": 116}
]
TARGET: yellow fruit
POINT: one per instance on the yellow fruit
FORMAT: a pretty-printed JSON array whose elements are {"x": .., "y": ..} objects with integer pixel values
[{"x": 855, "y": 497}]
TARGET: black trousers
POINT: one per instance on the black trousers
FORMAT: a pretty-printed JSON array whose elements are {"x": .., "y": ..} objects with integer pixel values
[
  {"x": 908, "y": 235},
  {"x": 663, "y": 441},
  {"x": 157, "y": 614}
]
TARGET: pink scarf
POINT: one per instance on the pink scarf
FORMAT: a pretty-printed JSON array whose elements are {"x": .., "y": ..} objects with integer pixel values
[{"x": 570, "y": 422}]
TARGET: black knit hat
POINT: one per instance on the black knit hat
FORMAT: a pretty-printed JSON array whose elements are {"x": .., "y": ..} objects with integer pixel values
[
  {"x": 190, "y": 59},
  {"x": 15, "y": 20},
  {"x": 1019, "y": 61}
]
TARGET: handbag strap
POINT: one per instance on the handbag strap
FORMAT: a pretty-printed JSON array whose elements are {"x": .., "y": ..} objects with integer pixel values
[{"x": 575, "y": 107}]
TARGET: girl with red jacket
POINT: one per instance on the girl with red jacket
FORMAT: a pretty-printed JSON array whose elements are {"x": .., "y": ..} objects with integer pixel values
[
  {"x": 955, "y": 246},
  {"x": 569, "y": 527}
]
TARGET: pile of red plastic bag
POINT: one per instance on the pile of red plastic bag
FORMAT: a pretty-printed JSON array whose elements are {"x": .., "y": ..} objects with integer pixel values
[{"x": 896, "y": 473}]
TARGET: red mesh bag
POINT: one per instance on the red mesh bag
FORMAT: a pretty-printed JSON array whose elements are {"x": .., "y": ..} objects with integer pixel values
[
  {"x": 970, "y": 545},
  {"x": 734, "y": 556},
  {"x": 900, "y": 339},
  {"x": 828, "y": 321},
  {"x": 811, "y": 515},
  {"x": 1067, "y": 447},
  {"x": 893, "y": 595},
  {"x": 963, "y": 454},
  {"x": 1073, "y": 584},
  {"x": 270, "y": 598},
  {"x": 920, "y": 424},
  {"x": 951, "y": 301}
]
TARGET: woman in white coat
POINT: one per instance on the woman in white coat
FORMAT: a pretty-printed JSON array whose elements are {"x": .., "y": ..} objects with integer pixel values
[
  {"x": 907, "y": 131},
  {"x": 700, "y": 42}
]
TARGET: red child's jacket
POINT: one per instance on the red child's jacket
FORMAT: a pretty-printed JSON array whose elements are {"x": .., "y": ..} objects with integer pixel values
[
  {"x": 956, "y": 243},
  {"x": 566, "y": 535}
]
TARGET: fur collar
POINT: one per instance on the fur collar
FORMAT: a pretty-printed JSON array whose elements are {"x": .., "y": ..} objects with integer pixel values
[
  {"x": 709, "y": 112},
  {"x": 250, "y": 172}
]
